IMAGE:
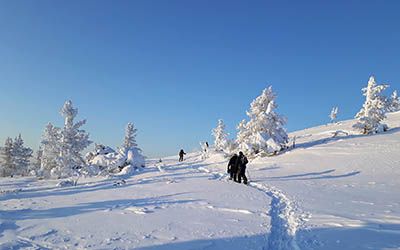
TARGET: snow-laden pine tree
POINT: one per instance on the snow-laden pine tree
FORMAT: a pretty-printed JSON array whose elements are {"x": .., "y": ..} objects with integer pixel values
[
  {"x": 7, "y": 159},
  {"x": 73, "y": 140},
  {"x": 333, "y": 114},
  {"x": 130, "y": 136},
  {"x": 220, "y": 136},
  {"x": 21, "y": 155},
  {"x": 130, "y": 148},
  {"x": 265, "y": 127},
  {"x": 243, "y": 137},
  {"x": 393, "y": 104},
  {"x": 50, "y": 149},
  {"x": 35, "y": 167},
  {"x": 373, "y": 109}
]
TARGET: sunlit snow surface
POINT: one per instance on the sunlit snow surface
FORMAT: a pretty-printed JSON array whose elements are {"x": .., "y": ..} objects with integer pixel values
[{"x": 335, "y": 190}]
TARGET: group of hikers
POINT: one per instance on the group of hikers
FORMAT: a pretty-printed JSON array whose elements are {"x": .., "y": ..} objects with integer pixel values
[{"x": 236, "y": 166}]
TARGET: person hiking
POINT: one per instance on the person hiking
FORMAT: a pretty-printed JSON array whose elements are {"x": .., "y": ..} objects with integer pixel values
[
  {"x": 242, "y": 162},
  {"x": 233, "y": 167},
  {"x": 181, "y": 154}
]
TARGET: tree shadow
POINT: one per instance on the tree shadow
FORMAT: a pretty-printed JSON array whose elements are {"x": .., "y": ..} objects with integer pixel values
[
  {"x": 378, "y": 236},
  {"x": 62, "y": 212},
  {"x": 306, "y": 174},
  {"x": 61, "y": 191},
  {"x": 367, "y": 237},
  {"x": 253, "y": 242},
  {"x": 82, "y": 187},
  {"x": 310, "y": 176},
  {"x": 273, "y": 167},
  {"x": 7, "y": 225}
]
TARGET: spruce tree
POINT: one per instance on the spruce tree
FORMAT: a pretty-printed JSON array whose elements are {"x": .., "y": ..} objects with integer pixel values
[
  {"x": 50, "y": 149},
  {"x": 130, "y": 136},
  {"x": 374, "y": 108},
  {"x": 243, "y": 137},
  {"x": 130, "y": 149},
  {"x": 220, "y": 137},
  {"x": 21, "y": 156},
  {"x": 265, "y": 127},
  {"x": 8, "y": 164},
  {"x": 73, "y": 140},
  {"x": 333, "y": 114},
  {"x": 393, "y": 104}
]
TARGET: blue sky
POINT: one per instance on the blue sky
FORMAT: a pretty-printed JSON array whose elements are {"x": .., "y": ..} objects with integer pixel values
[{"x": 175, "y": 67}]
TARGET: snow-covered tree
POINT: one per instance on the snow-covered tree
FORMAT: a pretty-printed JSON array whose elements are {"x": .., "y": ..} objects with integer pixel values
[
  {"x": 21, "y": 155},
  {"x": 204, "y": 150},
  {"x": 220, "y": 137},
  {"x": 72, "y": 141},
  {"x": 35, "y": 167},
  {"x": 130, "y": 149},
  {"x": 393, "y": 103},
  {"x": 333, "y": 114},
  {"x": 7, "y": 164},
  {"x": 50, "y": 148},
  {"x": 130, "y": 136},
  {"x": 373, "y": 110},
  {"x": 243, "y": 137},
  {"x": 265, "y": 127}
]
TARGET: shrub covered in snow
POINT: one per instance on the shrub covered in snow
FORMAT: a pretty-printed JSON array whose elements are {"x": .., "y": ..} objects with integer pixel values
[
  {"x": 122, "y": 161},
  {"x": 105, "y": 160}
]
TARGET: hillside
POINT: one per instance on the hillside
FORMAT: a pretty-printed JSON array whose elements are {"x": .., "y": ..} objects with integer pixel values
[
  {"x": 329, "y": 192},
  {"x": 348, "y": 184}
]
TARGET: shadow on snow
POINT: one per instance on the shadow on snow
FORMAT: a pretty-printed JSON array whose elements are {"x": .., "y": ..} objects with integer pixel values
[{"x": 369, "y": 236}]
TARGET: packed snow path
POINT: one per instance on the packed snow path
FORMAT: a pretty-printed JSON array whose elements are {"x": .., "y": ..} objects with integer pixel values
[
  {"x": 284, "y": 220},
  {"x": 167, "y": 206}
]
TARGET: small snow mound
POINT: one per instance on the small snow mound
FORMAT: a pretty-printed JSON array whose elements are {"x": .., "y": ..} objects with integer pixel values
[
  {"x": 128, "y": 170},
  {"x": 138, "y": 210},
  {"x": 66, "y": 183}
]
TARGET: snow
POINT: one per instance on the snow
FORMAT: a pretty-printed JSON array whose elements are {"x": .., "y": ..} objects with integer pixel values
[{"x": 335, "y": 190}]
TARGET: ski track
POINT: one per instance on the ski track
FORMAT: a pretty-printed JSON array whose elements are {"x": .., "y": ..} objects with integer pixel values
[{"x": 284, "y": 220}]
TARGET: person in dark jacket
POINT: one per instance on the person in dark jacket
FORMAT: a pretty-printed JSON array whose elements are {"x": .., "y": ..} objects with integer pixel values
[
  {"x": 233, "y": 167},
  {"x": 181, "y": 154},
  {"x": 242, "y": 162}
]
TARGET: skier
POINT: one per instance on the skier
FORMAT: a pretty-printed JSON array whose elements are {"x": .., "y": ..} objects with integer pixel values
[
  {"x": 207, "y": 144},
  {"x": 242, "y": 162},
  {"x": 181, "y": 154},
  {"x": 233, "y": 167}
]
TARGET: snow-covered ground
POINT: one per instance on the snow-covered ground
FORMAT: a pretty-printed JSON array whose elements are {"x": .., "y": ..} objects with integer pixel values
[{"x": 333, "y": 191}]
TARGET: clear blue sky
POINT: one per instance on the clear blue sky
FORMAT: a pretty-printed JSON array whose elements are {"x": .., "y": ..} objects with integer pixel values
[{"x": 175, "y": 67}]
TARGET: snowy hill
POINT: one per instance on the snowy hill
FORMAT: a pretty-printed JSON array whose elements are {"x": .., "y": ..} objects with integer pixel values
[{"x": 335, "y": 190}]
